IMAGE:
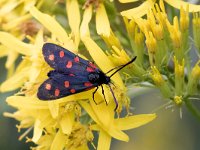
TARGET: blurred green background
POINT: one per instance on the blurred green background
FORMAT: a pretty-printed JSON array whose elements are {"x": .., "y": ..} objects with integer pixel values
[{"x": 166, "y": 132}]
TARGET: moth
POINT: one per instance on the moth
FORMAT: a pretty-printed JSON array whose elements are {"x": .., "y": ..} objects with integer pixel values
[{"x": 72, "y": 74}]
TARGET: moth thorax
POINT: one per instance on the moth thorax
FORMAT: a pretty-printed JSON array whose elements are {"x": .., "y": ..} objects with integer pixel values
[
  {"x": 93, "y": 77},
  {"x": 98, "y": 77}
]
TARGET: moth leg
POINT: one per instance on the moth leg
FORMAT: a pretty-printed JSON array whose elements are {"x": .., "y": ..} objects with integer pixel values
[
  {"x": 104, "y": 95},
  {"x": 94, "y": 99},
  {"x": 93, "y": 95},
  {"x": 115, "y": 100}
]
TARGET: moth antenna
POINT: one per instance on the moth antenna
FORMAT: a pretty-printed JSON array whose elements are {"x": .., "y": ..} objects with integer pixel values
[
  {"x": 113, "y": 69},
  {"x": 123, "y": 66},
  {"x": 113, "y": 97}
]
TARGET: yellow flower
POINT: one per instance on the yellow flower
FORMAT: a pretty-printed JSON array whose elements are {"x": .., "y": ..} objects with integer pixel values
[
  {"x": 196, "y": 30},
  {"x": 139, "y": 11},
  {"x": 178, "y": 100},
  {"x": 179, "y": 3},
  {"x": 194, "y": 79},
  {"x": 56, "y": 124},
  {"x": 179, "y": 76},
  {"x": 160, "y": 82},
  {"x": 72, "y": 9},
  {"x": 33, "y": 69},
  {"x": 110, "y": 127},
  {"x": 17, "y": 22},
  {"x": 14, "y": 46},
  {"x": 102, "y": 22},
  {"x": 148, "y": 4}
]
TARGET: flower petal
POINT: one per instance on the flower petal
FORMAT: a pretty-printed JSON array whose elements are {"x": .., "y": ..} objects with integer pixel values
[
  {"x": 53, "y": 26},
  {"x": 82, "y": 147},
  {"x": 15, "y": 22},
  {"x": 12, "y": 56},
  {"x": 15, "y": 81},
  {"x": 8, "y": 7},
  {"x": 89, "y": 110},
  {"x": 133, "y": 121},
  {"x": 67, "y": 122},
  {"x": 127, "y": 1},
  {"x": 179, "y": 3},
  {"x": 102, "y": 22},
  {"x": 15, "y": 44},
  {"x": 104, "y": 141},
  {"x": 98, "y": 55},
  {"x": 84, "y": 28},
  {"x": 138, "y": 11},
  {"x": 54, "y": 108},
  {"x": 107, "y": 127},
  {"x": 59, "y": 141},
  {"x": 3, "y": 51},
  {"x": 37, "y": 132},
  {"x": 73, "y": 12},
  {"x": 118, "y": 134},
  {"x": 104, "y": 113},
  {"x": 26, "y": 102}
]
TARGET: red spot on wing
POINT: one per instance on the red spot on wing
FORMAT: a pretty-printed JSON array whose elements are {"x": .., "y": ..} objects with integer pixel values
[
  {"x": 72, "y": 90},
  {"x": 51, "y": 57},
  {"x": 48, "y": 86},
  {"x": 62, "y": 54},
  {"x": 92, "y": 65},
  {"x": 76, "y": 59},
  {"x": 71, "y": 74},
  {"x": 66, "y": 84},
  {"x": 89, "y": 69},
  {"x": 69, "y": 64},
  {"x": 88, "y": 84},
  {"x": 57, "y": 92}
]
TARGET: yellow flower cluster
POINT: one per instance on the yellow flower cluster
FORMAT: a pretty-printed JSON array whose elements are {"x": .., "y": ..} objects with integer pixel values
[
  {"x": 166, "y": 43},
  {"x": 162, "y": 61},
  {"x": 63, "y": 123}
]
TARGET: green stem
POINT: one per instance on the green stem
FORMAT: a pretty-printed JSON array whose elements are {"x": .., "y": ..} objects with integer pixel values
[{"x": 192, "y": 109}]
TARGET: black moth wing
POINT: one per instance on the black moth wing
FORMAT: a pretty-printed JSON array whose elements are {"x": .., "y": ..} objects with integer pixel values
[
  {"x": 60, "y": 85},
  {"x": 65, "y": 61}
]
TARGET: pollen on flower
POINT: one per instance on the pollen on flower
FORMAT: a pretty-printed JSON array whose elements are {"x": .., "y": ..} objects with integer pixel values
[
  {"x": 151, "y": 42},
  {"x": 175, "y": 33},
  {"x": 156, "y": 76},
  {"x": 196, "y": 71},
  {"x": 178, "y": 100},
  {"x": 79, "y": 136},
  {"x": 184, "y": 19},
  {"x": 179, "y": 67}
]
